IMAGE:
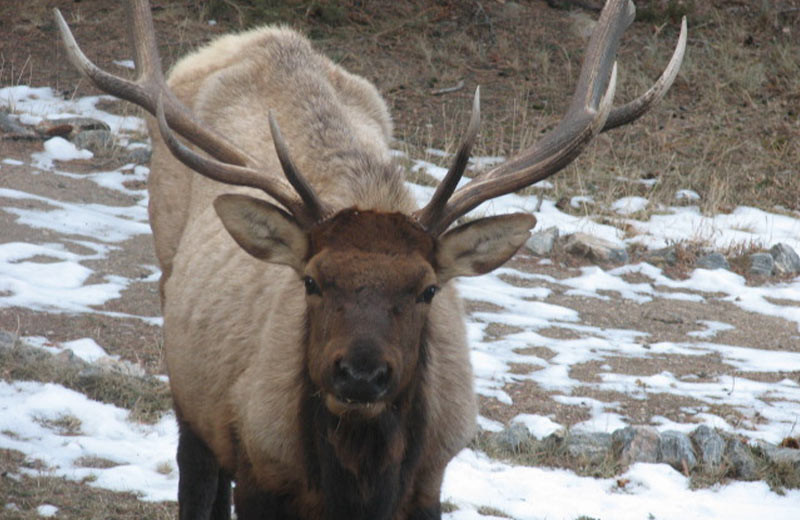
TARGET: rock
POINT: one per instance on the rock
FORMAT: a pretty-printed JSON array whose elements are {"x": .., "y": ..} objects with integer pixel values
[
  {"x": 742, "y": 459},
  {"x": 595, "y": 249},
  {"x": 140, "y": 155},
  {"x": 511, "y": 11},
  {"x": 513, "y": 438},
  {"x": 710, "y": 446},
  {"x": 541, "y": 243},
  {"x": 665, "y": 255},
  {"x": 762, "y": 264},
  {"x": 588, "y": 446},
  {"x": 786, "y": 259},
  {"x": 675, "y": 449},
  {"x": 77, "y": 124},
  {"x": 90, "y": 376},
  {"x": 6, "y": 339},
  {"x": 636, "y": 444},
  {"x": 779, "y": 454},
  {"x": 12, "y": 127},
  {"x": 67, "y": 358},
  {"x": 99, "y": 142},
  {"x": 582, "y": 24},
  {"x": 785, "y": 456},
  {"x": 713, "y": 261}
]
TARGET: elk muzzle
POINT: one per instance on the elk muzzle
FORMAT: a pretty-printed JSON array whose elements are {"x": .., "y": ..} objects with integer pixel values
[{"x": 360, "y": 379}]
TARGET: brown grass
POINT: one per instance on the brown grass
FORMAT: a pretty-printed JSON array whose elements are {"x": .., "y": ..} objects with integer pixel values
[
  {"x": 21, "y": 494},
  {"x": 147, "y": 398}
]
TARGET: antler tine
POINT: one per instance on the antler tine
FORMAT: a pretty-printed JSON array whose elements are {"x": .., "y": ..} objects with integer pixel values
[
  {"x": 631, "y": 111},
  {"x": 432, "y": 211},
  {"x": 232, "y": 173},
  {"x": 313, "y": 204},
  {"x": 587, "y": 115},
  {"x": 144, "y": 91}
]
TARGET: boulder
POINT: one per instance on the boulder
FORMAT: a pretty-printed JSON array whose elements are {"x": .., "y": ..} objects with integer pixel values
[
  {"x": 541, "y": 243},
  {"x": 713, "y": 261},
  {"x": 675, "y": 449},
  {"x": 761, "y": 264},
  {"x": 595, "y": 249},
  {"x": 636, "y": 444},
  {"x": 710, "y": 446},
  {"x": 786, "y": 259}
]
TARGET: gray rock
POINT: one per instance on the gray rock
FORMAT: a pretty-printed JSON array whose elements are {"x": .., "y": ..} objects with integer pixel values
[
  {"x": 636, "y": 444},
  {"x": 78, "y": 124},
  {"x": 675, "y": 449},
  {"x": 68, "y": 359},
  {"x": 582, "y": 24},
  {"x": 6, "y": 339},
  {"x": 786, "y": 456},
  {"x": 742, "y": 459},
  {"x": 511, "y": 11},
  {"x": 141, "y": 155},
  {"x": 665, "y": 255},
  {"x": 588, "y": 446},
  {"x": 595, "y": 249},
  {"x": 710, "y": 446},
  {"x": 786, "y": 259},
  {"x": 513, "y": 438},
  {"x": 541, "y": 243},
  {"x": 713, "y": 261},
  {"x": 90, "y": 375},
  {"x": 13, "y": 127},
  {"x": 780, "y": 455},
  {"x": 99, "y": 142},
  {"x": 761, "y": 264}
]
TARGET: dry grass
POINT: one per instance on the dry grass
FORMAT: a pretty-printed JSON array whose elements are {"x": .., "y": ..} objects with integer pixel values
[
  {"x": 147, "y": 398},
  {"x": 549, "y": 453},
  {"x": 24, "y": 486}
]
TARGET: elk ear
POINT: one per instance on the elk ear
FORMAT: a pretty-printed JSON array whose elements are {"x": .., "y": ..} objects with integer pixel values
[
  {"x": 263, "y": 230},
  {"x": 482, "y": 245}
]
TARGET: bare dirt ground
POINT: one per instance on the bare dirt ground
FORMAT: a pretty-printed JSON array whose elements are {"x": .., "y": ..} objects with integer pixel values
[{"x": 735, "y": 107}]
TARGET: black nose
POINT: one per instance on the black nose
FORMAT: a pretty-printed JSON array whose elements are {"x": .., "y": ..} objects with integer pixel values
[{"x": 360, "y": 379}]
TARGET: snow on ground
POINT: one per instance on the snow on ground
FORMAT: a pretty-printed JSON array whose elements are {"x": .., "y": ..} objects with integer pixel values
[{"x": 144, "y": 453}]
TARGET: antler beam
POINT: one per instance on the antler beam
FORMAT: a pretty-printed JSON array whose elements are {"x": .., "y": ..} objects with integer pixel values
[{"x": 149, "y": 90}]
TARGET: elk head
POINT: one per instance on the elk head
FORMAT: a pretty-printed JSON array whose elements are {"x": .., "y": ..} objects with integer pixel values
[{"x": 370, "y": 278}]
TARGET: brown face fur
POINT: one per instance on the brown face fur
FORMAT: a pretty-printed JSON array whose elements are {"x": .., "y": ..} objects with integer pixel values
[{"x": 369, "y": 281}]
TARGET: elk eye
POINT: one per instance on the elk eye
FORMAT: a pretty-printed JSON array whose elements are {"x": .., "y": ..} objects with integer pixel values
[
  {"x": 311, "y": 286},
  {"x": 428, "y": 294}
]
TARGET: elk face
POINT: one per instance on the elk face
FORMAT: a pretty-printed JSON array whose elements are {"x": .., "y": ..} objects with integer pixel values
[{"x": 370, "y": 280}]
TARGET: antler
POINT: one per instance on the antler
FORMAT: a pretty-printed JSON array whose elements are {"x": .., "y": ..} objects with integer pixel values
[
  {"x": 231, "y": 165},
  {"x": 589, "y": 114}
]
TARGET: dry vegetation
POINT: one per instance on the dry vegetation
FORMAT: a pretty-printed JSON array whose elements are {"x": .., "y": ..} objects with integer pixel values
[{"x": 729, "y": 130}]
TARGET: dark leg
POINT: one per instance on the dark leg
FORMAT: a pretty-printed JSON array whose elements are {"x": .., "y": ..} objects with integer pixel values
[
  {"x": 427, "y": 513},
  {"x": 254, "y": 504},
  {"x": 203, "y": 492},
  {"x": 222, "y": 503}
]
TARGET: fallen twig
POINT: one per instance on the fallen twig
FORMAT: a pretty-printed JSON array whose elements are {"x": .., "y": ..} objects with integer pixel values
[{"x": 447, "y": 90}]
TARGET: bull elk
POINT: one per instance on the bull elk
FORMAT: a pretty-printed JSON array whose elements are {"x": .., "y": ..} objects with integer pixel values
[{"x": 315, "y": 346}]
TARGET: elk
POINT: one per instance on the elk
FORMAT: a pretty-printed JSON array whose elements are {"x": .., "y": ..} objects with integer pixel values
[{"x": 314, "y": 342}]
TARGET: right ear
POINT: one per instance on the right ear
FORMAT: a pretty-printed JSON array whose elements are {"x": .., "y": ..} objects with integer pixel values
[{"x": 263, "y": 230}]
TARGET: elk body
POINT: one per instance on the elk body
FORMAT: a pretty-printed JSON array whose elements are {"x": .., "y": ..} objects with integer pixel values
[{"x": 315, "y": 345}]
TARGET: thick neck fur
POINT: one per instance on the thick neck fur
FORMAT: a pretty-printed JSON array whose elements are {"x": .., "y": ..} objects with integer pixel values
[{"x": 363, "y": 468}]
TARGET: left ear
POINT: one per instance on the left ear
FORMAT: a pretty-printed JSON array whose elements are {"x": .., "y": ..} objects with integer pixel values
[{"x": 482, "y": 245}]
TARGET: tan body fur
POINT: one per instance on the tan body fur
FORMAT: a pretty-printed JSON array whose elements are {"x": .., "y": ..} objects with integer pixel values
[{"x": 233, "y": 325}]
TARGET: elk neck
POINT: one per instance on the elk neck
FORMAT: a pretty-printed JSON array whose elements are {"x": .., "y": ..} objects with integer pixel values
[{"x": 363, "y": 465}]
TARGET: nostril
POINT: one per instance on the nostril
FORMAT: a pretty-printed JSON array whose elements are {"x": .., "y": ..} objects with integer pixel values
[
  {"x": 362, "y": 381},
  {"x": 342, "y": 371},
  {"x": 380, "y": 377}
]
